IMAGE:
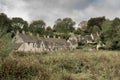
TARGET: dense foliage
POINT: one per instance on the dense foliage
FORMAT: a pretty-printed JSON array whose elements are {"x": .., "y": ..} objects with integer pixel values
[
  {"x": 110, "y": 34},
  {"x": 37, "y": 27},
  {"x": 6, "y": 44},
  {"x": 18, "y": 24},
  {"x": 108, "y": 30},
  {"x": 63, "y": 65},
  {"x": 64, "y": 25}
]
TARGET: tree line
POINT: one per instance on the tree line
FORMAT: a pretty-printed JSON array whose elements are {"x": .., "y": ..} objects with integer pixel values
[
  {"x": 15, "y": 24},
  {"x": 108, "y": 30}
]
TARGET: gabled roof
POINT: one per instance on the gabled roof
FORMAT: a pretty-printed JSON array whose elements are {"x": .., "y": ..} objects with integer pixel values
[
  {"x": 28, "y": 38},
  {"x": 18, "y": 45},
  {"x": 74, "y": 42},
  {"x": 38, "y": 42},
  {"x": 53, "y": 42}
]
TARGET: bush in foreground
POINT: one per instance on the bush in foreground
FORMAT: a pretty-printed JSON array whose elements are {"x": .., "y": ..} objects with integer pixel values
[{"x": 76, "y": 65}]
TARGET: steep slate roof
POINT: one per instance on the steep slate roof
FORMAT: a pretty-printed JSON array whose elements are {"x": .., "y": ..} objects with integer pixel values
[
  {"x": 48, "y": 42},
  {"x": 38, "y": 42},
  {"x": 28, "y": 38},
  {"x": 73, "y": 42},
  {"x": 54, "y": 42},
  {"x": 17, "y": 45},
  {"x": 88, "y": 37},
  {"x": 67, "y": 44}
]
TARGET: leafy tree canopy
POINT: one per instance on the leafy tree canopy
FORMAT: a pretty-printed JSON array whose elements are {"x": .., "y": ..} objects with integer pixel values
[
  {"x": 95, "y": 22},
  {"x": 19, "y": 24},
  {"x": 37, "y": 26},
  {"x": 110, "y": 35},
  {"x": 64, "y": 25},
  {"x": 4, "y": 22}
]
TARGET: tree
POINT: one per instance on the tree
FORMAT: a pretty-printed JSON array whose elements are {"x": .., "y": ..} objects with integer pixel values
[
  {"x": 78, "y": 31},
  {"x": 64, "y": 25},
  {"x": 110, "y": 35},
  {"x": 48, "y": 28},
  {"x": 6, "y": 45},
  {"x": 83, "y": 25},
  {"x": 95, "y": 22},
  {"x": 37, "y": 26},
  {"x": 116, "y": 22},
  {"x": 19, "y": 24},
  {"x": 4, "y": 24},
  {"x": 49, "y": 31}
]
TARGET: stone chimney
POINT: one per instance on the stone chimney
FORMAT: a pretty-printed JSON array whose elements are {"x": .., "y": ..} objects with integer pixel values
[
  {"x": 44, "y": 36},
  {"x": 30, "y": 33},
  {"x": 23, "y": 32},
  {"x": 38, "y": 35},
  {"x": 17, "y": 32},
  {"x": 48, "y": 36},
  {"x": 59, "y": 37},
  {"x": 97, "y": 34},
  {"x": 92, "y": 36},
  {"x": 54, "y": 36}
]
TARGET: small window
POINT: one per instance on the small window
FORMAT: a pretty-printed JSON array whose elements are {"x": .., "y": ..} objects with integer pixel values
[{"x": 28, "y": 43}]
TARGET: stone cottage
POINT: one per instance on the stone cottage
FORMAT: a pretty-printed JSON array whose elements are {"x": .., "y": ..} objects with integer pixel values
[{"x": 28, "y": 42}]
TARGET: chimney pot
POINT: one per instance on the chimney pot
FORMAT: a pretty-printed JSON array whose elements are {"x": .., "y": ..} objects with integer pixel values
[
  {"x": 44, "y": 36},
  {"x": 38, "y": 35},
  {"x": 30, "y": 33},
  {"x": 54, "y": 36},
  {"x": 59, "y": 37},
  {"x": 17, "y": 32},
  {"x": 23, "y": 32},
  {"x": 48, "y": 36}
]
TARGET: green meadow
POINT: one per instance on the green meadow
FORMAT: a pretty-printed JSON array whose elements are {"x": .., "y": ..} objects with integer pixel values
[{"x": 61, "y": 65}]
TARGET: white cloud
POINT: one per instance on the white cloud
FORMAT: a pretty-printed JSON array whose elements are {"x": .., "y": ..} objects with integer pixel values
[
  {"x": 14, "y": 8},
  {"x": 50, "y": 10}
]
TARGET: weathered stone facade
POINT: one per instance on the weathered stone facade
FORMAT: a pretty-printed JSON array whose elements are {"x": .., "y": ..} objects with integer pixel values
[{"x": 32, "y": 43}]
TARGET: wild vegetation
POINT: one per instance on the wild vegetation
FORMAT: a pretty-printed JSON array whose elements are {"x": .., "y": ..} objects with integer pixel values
[
  {"x": 108, "y": 30},
  {"x": 62, "y": 65}
]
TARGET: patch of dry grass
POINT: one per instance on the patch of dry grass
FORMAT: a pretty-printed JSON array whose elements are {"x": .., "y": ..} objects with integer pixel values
[{"x": 64, "y": 65}]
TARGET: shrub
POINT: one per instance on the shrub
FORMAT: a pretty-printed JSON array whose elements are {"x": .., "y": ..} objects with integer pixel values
[
  {"x": 6, "y": 45},
  {"x": 44, "y": 53},
  {"x": 75, "y": 65},
  {"x": 20, "y": 69}
]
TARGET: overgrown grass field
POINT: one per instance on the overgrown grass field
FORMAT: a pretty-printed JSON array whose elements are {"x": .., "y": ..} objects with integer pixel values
[{"x": 62, "y": 65}]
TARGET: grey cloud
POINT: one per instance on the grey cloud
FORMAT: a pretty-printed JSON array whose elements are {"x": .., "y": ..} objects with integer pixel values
[
  {"x": 59, "y": 4},
  {"x": 53, "y": 9},
  {"x": 14, "y": 8},
  {"x": 50, "y": 10}
]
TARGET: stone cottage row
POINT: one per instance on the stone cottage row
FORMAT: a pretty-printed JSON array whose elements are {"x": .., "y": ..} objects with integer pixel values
[{"x": 27, "y": 42}]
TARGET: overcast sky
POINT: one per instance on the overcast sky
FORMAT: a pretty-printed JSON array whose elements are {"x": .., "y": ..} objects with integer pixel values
[{"x": 51, "y": 10}]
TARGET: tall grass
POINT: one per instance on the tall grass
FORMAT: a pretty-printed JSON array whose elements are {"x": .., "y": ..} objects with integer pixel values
[{"x": 65, "y": 65}]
